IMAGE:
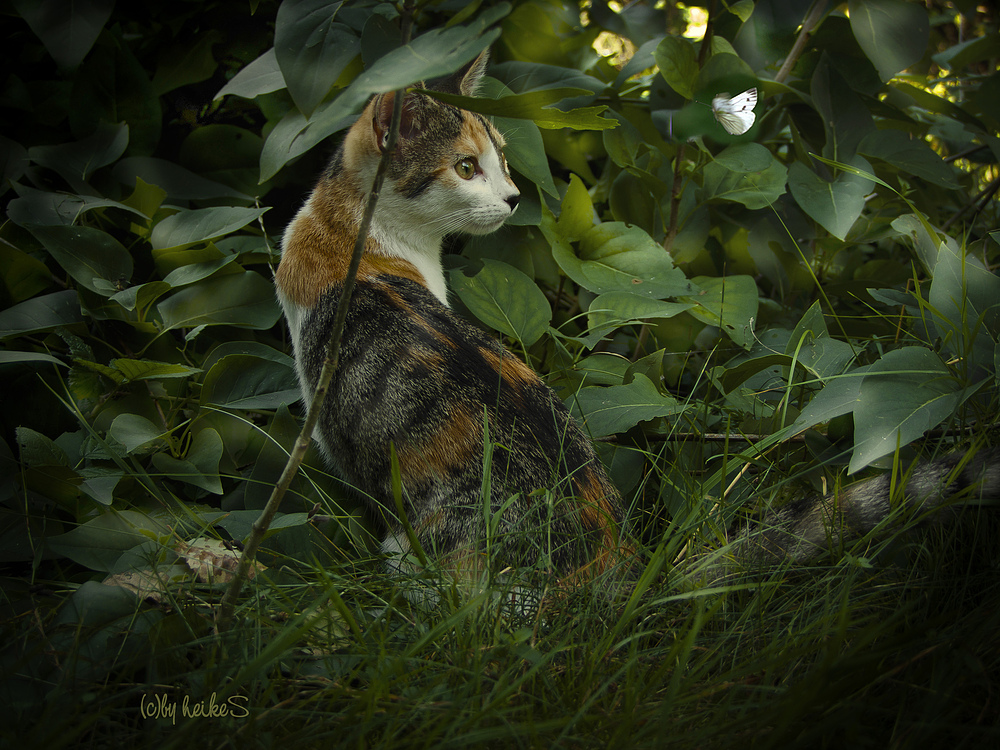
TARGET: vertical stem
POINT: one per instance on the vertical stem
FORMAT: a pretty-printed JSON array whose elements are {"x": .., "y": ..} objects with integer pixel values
[
  {"x": 298, "y": 453},
  {"x": 810, "y": 22}
]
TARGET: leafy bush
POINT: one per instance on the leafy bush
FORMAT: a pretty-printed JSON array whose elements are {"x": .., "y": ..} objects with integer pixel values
[{"x": 732, "y": 317}]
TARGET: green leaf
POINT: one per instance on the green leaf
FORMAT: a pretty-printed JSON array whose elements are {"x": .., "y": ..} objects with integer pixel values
[
  {"x": 724, "y": 72},
  {"x": 744, "y": 157},
  {"x": 977, "y": 49},
  {"x": 525, "y": 152},
  {"x": 36, "y": 449},
  {"x": 905, "y": 393},
  {"x": 243, "y": 381},
  {"x": 729, "y": 303},
  {"x": 615, "y": 309},
  {"x": 614, "y": 409},
  {"x": 841, "y": 395},
  {"x": 892, "y": 33},
  {"x": 8, "y": 357},
  {"x": 179, "y": 183},
  {"x": 89, "y": 255},
  {"x": 815, "y": 349},
  {"x": 576, "y": 217},
  {"x": 262, "y": 76},
  {"x": 965, "y": 297},
  {"x": 77, "y": 161},
  {"x": 134, "y": 431},
  {"x": 614, "y": 257},
  {"x": 835, "y": 205},
  {"x": 142, "y": 296},
  {"x": 506, "y": 300},
  {"x": 846, "y": 118},
  {"x": 535, "y": 106},
  {"x": 431, "y": 55},
  {"x": 246, "y": 300},
  {"x": 39, "y": 208},
  {"x": 201, "y": 224},
  {"x": 312, "y": 49},
  {"x": 754, "y": 189},
  {"x": 678, "y": 64},
  {"x": 908, "y": 155},
  {"x": 99, "y": 543},
  {"x": 67, "y": 33},
  {"x": 41, "y": 314},
  {"x": 194, "y": 272},
  {"x": 192, "y": 62},
  {"x": 201, "y": 465},
  {"x": 144, "y": 369},
  {"x": 112, "y": 86},
  {"x": 24, "y": 276}
]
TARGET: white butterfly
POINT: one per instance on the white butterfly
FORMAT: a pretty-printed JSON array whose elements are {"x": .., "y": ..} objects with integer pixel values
[{"x": 736, "y": 114}]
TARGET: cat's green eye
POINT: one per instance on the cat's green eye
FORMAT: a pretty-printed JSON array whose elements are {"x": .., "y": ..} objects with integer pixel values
[{"x": 466, "y": 169}]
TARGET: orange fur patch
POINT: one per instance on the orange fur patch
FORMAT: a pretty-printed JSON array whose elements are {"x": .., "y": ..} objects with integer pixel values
[
  {"x": 318, "y": 248},
  {"x": 510, "y": 368},
  {"x": 473, "y": 138},
  {"x": 453, "y": 445}
]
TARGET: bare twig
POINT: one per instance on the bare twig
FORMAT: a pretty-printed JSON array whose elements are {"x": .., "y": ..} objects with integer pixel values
[
  {"x": 979, "y": 203},
  {"x": 812, "y": 19},
  {"x": 262, "y": 524}
]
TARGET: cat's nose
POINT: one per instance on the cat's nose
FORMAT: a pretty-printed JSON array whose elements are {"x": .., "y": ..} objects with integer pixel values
[{"x": 512, "y": 200}]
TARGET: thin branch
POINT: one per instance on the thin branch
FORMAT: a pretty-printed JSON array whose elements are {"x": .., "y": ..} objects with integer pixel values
[
  {"x": 979, "y": 203},
  {"x": 811, "y": 21},
  {"x": 298, "y": 453}
]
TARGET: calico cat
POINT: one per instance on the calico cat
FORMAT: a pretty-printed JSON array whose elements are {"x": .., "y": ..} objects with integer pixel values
[{"x": 495, "y": 473}]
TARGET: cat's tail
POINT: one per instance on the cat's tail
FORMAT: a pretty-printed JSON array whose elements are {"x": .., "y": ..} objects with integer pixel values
[{"x": 805, "y": 529}]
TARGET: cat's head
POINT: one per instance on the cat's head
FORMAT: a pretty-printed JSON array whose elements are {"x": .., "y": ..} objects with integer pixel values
[{"x": 448, "y": 170}]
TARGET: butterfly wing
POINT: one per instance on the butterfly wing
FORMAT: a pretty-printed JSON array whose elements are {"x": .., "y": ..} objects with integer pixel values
[{"x": 736, "y": 115}]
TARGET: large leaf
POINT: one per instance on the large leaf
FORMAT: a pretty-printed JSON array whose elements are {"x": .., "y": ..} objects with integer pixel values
[
  {"x": 966, "y": 299},
  {"x": 198, "y": 225},
  {"x": 754, "y": 187},
  {"x": 134, "y": 431},
  {"x": 678, "y": 64},
  {"x": 893, "y": 33},
  {"x": 41, "y": 314},
  {"x": 245, "y": 381},
  {"x": 312, "y": 49},
  {"x": 846, "y": 119},
  {"x": 95, "y": 259},
  {"x": 67, "y": 33},
  {"x": 614, "y": 257},
  {"x": 835, "y": 205},
  {"x": 506, "y": 300},
  {"x": 98, "y": 543},
  {"x": 112, "y": 86},
  {"x": 905, "y": 393},
  {"x": 200, "y": 467},
  {"x": 614, "y": 409},
  {"x": 431, "y": 55},
  {"x": 908, "y": 155},
  {"x": 262, "y": 76},
  {"x": 246, "y": 300},
  {"x": 537, "y": 107},
  {"x": 77, "y": 161},
  {"x": 614, "y": 309},
  {"x": 178, "y": 183},
  {"x": 841, "y": 395},
  {"x": 730, "y": 303}
]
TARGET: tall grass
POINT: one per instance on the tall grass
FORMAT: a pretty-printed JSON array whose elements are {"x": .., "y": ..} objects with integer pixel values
[{"x": 891, "y": 645}]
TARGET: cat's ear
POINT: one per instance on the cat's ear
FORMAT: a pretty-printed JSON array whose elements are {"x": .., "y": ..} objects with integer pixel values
[
  {"x": 466, "y": 80},
  {"x": 409, "y": 123}
]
